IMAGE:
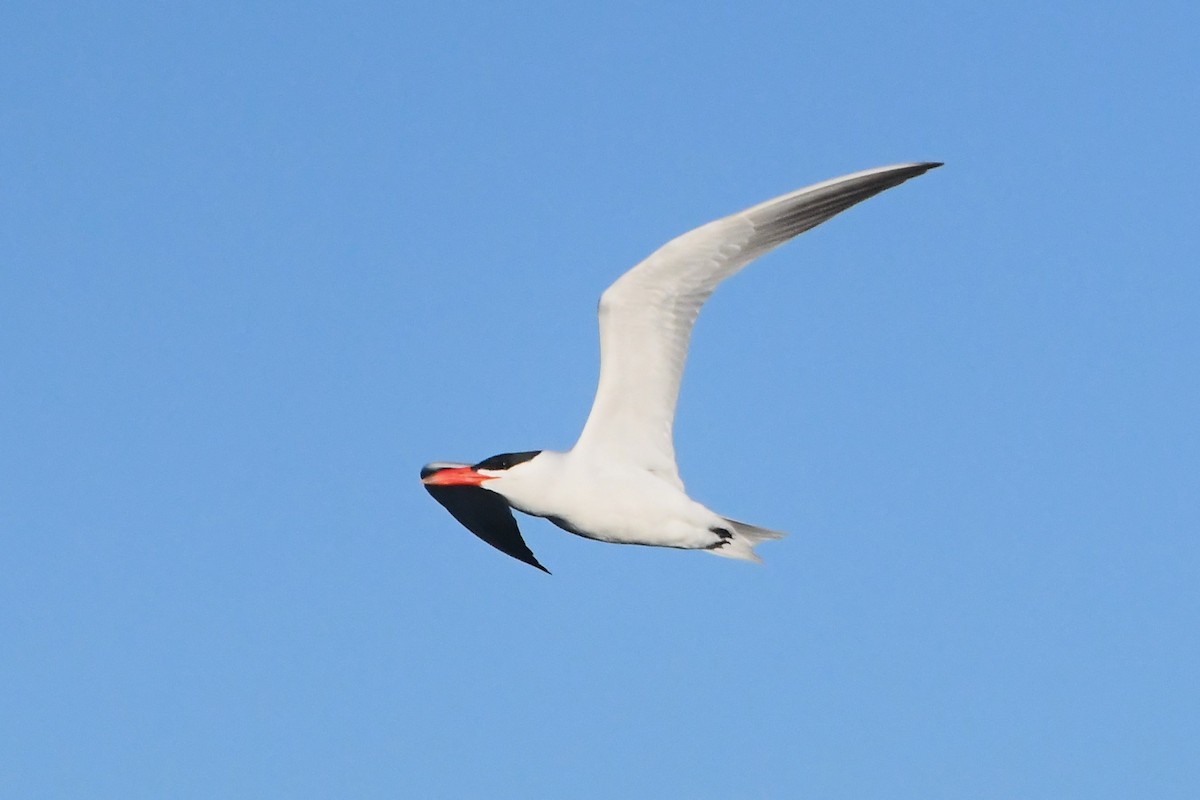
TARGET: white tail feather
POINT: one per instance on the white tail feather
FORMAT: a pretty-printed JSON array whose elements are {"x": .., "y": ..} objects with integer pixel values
[{"x": 745, "y": 537}]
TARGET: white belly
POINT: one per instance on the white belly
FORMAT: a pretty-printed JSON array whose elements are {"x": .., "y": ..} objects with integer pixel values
[{"x": 629, "y": 507}]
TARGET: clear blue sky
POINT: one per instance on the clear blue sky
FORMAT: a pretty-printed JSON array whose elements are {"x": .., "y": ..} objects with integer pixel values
[{"x": 260, "y": 263}]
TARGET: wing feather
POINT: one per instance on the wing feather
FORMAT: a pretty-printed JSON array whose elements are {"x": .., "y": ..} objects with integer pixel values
[
  {"x": 646, "y": 316},
  {"x": 487, "y": 515}
]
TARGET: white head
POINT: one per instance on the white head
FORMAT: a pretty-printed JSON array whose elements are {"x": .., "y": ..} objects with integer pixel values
[{"x": 444, "y": 473}]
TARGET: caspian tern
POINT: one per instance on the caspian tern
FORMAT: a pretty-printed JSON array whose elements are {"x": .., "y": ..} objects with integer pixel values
[{"x": 619, "y": 483}]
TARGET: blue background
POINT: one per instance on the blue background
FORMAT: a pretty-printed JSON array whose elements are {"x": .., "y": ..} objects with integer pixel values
[{"x": 260, "y": 262}]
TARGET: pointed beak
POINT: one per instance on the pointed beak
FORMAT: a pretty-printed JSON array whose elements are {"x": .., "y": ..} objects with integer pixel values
[{"x": 452, "y": 476}]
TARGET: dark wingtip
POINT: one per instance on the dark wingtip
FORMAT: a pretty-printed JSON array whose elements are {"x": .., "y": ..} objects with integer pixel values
[
  {"x": 533, "y": 562},
  {"x": 487, "y": 515}
]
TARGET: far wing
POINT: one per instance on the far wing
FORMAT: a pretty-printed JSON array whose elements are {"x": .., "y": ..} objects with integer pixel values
[
  {"x": 487, "y": 515},
  {"x": 646, "y": 317}
]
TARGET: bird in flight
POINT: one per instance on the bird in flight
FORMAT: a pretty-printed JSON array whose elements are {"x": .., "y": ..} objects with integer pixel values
[{"x": 620, "y": 483}]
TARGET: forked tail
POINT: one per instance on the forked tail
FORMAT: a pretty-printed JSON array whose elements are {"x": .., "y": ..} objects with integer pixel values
[{"x": 745, "y": 537}]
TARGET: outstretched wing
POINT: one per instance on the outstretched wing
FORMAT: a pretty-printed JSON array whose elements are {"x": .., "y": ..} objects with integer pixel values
[
  {"x": 646, "y": 317},
  {"x": 487, "y": 515}
]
